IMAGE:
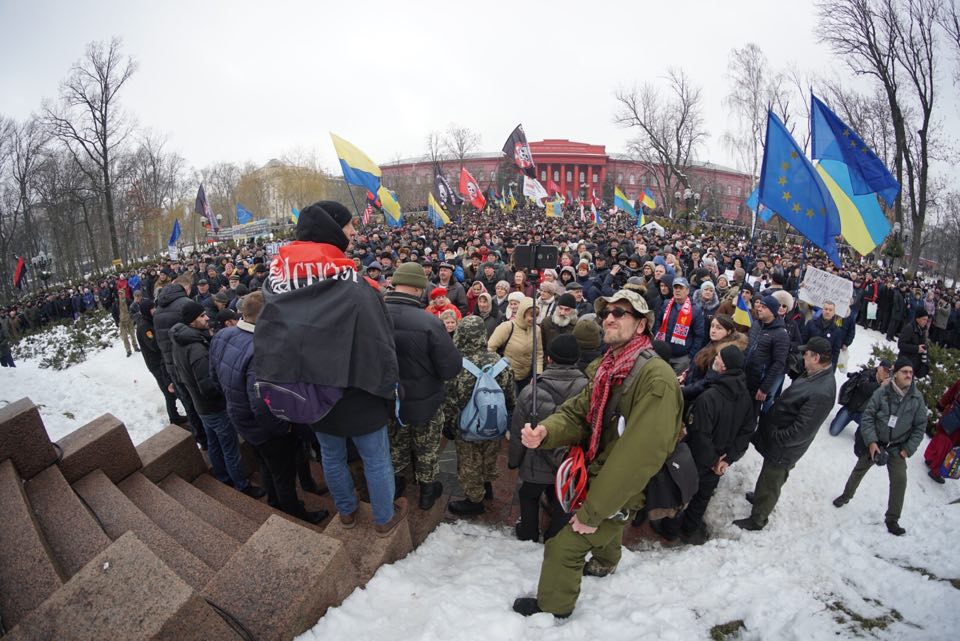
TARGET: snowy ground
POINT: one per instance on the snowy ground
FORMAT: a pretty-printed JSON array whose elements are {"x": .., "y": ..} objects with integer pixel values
[{"x": 809, "y": 575}]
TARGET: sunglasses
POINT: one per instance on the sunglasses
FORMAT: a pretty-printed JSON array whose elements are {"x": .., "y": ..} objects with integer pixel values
[{"x": 616, "y": 312}]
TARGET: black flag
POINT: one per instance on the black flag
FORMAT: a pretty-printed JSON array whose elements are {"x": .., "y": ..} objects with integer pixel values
[
  {"x": 442, "y": 192},
  {"x": 518, "y": 149}
]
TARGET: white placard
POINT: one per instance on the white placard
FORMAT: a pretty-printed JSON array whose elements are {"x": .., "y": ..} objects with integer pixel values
[
  {"x": 172, "y": 250},
  {"x": 819, "y": 287}
]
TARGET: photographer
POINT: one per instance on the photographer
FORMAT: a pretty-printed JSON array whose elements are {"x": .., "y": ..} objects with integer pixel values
[{"x": 891, "y": 429}]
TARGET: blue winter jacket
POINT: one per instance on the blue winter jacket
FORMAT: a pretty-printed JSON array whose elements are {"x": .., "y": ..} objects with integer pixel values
[{"x": 231, "y": 367}]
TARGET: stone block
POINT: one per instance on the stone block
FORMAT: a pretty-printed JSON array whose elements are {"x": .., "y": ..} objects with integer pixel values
[
  {"x": 126, "y": 592},
  {"x": 72, "y": 533},
  {"x": 204, "y": 541},
  {"x": 172, "y": 450},
  {"x": 209, "y": 509},
  {"x": 282, "y": 580},
  {"x": 119, "y": 515},
  {"x": 28, "y": 574},
  {"x": 257, "y": 511},
  {"x": 367, "y": 550},
  {"x": 24, "y": 439},
  {"x": 102, "y": 444}
]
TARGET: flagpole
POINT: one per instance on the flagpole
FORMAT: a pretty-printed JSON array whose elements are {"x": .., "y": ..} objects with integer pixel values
[{"x": 355, "y": 208}]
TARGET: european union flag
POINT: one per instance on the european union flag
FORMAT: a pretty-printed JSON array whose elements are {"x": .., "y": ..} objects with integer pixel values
[
  {"x": 833, "y": 140},
  {"x": 790, "y": 186},
  {"x": 175, "y": 233},
  {"x": 753, "y": 203},
  {"x": 244, "y": 215}
]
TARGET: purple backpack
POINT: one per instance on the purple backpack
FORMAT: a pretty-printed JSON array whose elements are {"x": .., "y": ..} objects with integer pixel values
[{"x": 304, "y": 403}]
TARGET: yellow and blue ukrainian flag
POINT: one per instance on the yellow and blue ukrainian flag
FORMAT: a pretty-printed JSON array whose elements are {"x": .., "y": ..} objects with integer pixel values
[
  {"x": 390, "y": 205},
  {"x": 741, "y": 315},
  {"x": 621, "y": 202},
  {"x": 357, "y": 167},
  {"x": 435, "y": 212}
]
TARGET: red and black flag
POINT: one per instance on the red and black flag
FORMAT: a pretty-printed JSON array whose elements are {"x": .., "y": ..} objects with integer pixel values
[
  {"x": 518, "y": 149},
  {"x": 19, "y": 273},
  {"x": 470, "y": 189},
  {"x": 446, "y": 196}
]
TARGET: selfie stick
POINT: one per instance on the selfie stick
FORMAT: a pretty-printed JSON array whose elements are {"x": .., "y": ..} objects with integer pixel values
[{"x": 534, "y": 421}]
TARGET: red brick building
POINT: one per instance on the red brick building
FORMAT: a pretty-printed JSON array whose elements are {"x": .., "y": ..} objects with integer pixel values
[{"x": 576, "y": 169}]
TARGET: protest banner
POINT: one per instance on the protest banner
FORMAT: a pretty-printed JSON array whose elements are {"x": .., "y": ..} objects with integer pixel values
[{"x": 819, "y": 287}]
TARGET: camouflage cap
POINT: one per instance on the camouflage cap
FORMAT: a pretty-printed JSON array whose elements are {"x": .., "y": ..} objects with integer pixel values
[{"x": 637, "y": 302}]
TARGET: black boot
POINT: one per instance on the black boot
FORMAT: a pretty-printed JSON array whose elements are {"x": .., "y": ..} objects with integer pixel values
[
  {"x": 487, "y": 490},
  {"x": 841, "y": 500},
  {"x": 466, "y": 507},
  {"x": 527, "y": 606},
  {"x": 429, "y": 493},
  {"x": 893, "y": 527},
  {"x": 749, "y": 497},
  {"x": 401, "y": 483}
]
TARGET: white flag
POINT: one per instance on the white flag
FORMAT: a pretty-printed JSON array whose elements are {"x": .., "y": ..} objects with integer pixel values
[{"x": 533, "y": 189}]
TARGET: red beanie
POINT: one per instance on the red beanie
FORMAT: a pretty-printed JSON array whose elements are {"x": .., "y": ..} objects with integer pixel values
[{"x": 438, "y": 291}]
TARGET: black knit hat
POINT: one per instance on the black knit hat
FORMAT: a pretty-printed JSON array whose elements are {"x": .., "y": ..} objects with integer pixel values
[
  {"x": 902, "y": 362},
  {"x": 323, "y": 222},
  {"x": 564, "y": 350},
  {"x": 190, "y": 312},
  {"x": 922, "y": 313},
  {"x": 732, "y": 357},
  {"x": 566, "y": 300}
]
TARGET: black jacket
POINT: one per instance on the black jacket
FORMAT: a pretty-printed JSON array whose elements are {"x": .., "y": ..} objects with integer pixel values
[
  {"x": 767, "y": 357},
  {"x": 426, "y": 357},
  {"x": 191, "y": 357},
  {"x": 832, "y": 330},
  {"x": 912, "y": 337},
  {"x": 788, "y": 429},
  {"x": 170, "y": 301},
  {"x": 721, "y": 420},
  {"x": 147, "y": 339},
  {"x": 858, "y": 389}
]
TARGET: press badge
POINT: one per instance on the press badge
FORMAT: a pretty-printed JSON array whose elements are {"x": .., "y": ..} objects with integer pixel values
[
  {"x": 620, "y": 426},
  {"x": 892, "y": 421}
]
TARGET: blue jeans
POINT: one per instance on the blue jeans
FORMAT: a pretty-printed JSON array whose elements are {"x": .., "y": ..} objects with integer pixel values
[
  {"x": 842, "y": 419},
  {"x": 374, "y": 449},
  {"x": 223, "y": 448}
]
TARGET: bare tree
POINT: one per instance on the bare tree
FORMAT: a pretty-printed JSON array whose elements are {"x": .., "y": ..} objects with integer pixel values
[
  {"x": 460, "y": 142},
  {"x": 435, "y": 148},
  {"x": 670, "y": 129},
  {"x": 950, "y": 21},
  {"x": 89, "y": 122}
]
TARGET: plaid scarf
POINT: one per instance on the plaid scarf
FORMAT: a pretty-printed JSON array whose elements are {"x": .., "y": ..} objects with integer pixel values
[{"x": 611, "y": 372}]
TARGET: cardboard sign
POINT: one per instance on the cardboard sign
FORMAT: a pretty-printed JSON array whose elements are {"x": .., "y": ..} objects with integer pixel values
[{"x": 819, "y": 287}]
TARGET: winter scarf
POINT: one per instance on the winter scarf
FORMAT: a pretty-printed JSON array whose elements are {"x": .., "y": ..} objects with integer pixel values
[
  {"x": 612, "y": 371},
  {"x": 681, "y": 329}
]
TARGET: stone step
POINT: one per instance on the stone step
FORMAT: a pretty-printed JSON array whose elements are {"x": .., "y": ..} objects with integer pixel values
[
  {"x": 28, "y": 573},
  {"x": 24, "y": 439},
  {"x": 125, "y": 592},
  {"x": 209, "y": 509},
  {"x": 102, "y": 444},
  {"x": 283, "y": 579},
  {"x": 206, "y": 542},
  {"x": 69, "y": 528},
  {"x": 118, "y": 515},
  {"x": 367, "y": 550},
  {"x": 172, "y": 450},
  {"x": 239, "y": 502}
]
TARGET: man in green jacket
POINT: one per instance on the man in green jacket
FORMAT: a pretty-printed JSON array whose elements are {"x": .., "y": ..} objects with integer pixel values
[
  {"x": 891, "y": 428},
  {"x": 628, "y": 418}
]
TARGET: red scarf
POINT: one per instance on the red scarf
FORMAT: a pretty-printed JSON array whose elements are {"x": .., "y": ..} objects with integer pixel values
[
  {"x": 303, "y": 260},
  {"x": 681, "y": 329},
  {"x": 611, "y": 372}
]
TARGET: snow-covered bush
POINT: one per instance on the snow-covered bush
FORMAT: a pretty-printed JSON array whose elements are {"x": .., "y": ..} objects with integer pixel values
[
  {"x": 944, "y": 371},
  {"x": 67, "y": 343}
]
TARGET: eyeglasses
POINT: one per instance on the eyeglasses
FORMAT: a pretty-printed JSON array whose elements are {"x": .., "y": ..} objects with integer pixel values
[{"x": 617, "y": 312}]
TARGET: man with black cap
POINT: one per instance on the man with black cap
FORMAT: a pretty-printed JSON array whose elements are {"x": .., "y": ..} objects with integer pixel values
[
  {"x": 787, "y": 430},
  {"x": 325, "y": 327},
  {"x": 913, "y": 343},
  {"x": 856, "y": 392},
  {"x": 630, "y": 419},
  {"x": 766, "y": 359},
  {"x": 891, "y": 429},
  {"x": 719, "y": 427},
  {"x": 680, "y": 323},
  {"x": 562, "y": 320},
  {"x": 191, "y": 358},
  {"x": 426, "y": 357}
]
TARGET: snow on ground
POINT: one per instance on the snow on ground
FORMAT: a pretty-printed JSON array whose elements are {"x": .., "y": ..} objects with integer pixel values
[
  {"x": 801, "y": 578},
  {"x": 107, "y": 382},
  {"x": 806, "y": 576}
]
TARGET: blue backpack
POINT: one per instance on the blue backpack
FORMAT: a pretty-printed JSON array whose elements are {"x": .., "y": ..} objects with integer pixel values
[
  {"x": 304, "y": 403},
  {"x": 485, "y": 416}
]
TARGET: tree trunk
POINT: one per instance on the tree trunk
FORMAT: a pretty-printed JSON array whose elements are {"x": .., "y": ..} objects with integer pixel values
[{"x": 93, "y": 239}]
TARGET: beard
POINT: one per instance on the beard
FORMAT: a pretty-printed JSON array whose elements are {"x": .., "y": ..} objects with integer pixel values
[{"x": 563, "y": 321}]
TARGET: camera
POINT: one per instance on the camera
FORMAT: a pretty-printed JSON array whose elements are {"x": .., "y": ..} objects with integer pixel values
[
  {"x": 881, "y": 458},
  {"x": 536, "y": 256}
]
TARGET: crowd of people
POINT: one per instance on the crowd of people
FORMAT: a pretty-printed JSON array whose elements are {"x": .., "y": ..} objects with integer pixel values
[{"x": 631, "y": 350}]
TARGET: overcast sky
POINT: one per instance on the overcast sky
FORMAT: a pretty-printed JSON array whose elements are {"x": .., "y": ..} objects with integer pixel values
[{"x": 249, "y": 81}]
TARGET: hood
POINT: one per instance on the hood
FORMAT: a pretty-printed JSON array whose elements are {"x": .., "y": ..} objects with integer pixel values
[
  {"x": 471, "y": 336},
  {"x": 184, "y": 335},
  {"x": 169, "y": 294},
  {"x": 732, "y": 383},
  {"x": 522, "y": 308}
]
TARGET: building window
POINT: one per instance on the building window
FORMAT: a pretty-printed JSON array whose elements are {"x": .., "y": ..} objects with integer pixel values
[
  {"x": 739, "y": 191},
  {"x": 416, "y": 178},
  {"x": 633, "y": 179},
  {"x": 569, "y": 176},
  {"x": 583, "y": 177},
  {"x": 729, "y": 191},
  {"x": 493, "y": 176},
  {"x": 643, "y": 180},
  {"x": 595, "y": 178},
  {"x": 556, "y": 174},
  {"x": 619, "y": 179}
]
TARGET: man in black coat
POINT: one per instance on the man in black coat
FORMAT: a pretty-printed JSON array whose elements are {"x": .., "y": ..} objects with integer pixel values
[
  {"x": 170, "y": 303},
  {"x": 898, "y": 311},
  {"x": 913, "y": 343},
  {"x": 829, "y": 326},
  {"x": 427, "y": 358},
  {"x": 787, "y": 430},
  {"x": 766, "y": 362},
  {"x": 190, "y": 351},
  {"x": 147, "y": 339},
  {"x": 855, "y": 393},
  {"x": 719, "y": 427}
]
